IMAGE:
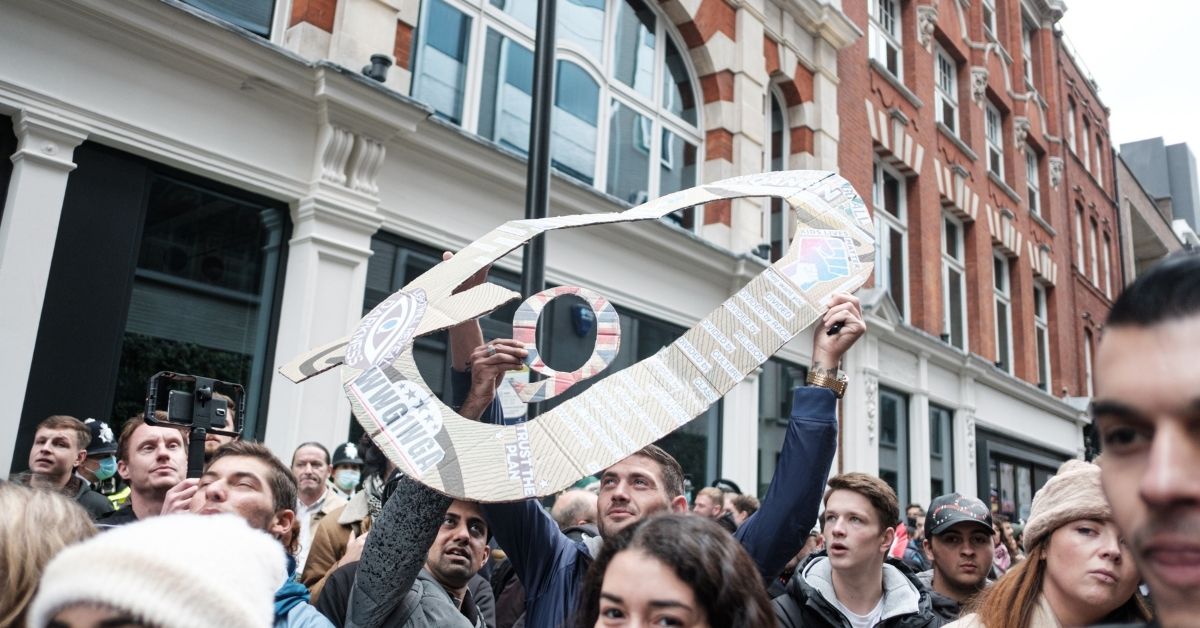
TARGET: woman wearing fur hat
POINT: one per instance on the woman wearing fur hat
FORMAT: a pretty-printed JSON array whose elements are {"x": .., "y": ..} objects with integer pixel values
[{"x": 1077, "y": 570}]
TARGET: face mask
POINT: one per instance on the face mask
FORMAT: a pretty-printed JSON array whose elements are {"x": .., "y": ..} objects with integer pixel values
[
  {"x": 347, "y": 479},
  {"x": 107, "y": 468}
]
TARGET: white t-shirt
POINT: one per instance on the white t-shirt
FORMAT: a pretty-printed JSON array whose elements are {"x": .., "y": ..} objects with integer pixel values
[{"x": 860, "y": 621}]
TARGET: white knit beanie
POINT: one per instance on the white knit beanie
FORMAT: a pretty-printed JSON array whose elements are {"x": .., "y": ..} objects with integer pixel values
[
  {"x": 1073, "y": 494},
  {"x": 180, "y": 570}
]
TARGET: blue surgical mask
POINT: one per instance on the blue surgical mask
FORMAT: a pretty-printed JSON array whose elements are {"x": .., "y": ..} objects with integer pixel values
[
  {"x": 347, "y": 479},
  {"x": 107, "y": 468}
]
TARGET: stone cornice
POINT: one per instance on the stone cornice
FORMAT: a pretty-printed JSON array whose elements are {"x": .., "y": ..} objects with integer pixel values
[{"x": 825, "y": 20}]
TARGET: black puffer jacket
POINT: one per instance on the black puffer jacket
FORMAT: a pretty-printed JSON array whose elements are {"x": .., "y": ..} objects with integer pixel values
[{"x": 806, "y": 604}]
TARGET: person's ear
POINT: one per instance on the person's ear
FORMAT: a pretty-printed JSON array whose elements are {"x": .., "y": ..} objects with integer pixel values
[
  {"x": 679, "y": 504},
  {"x": 282, "y": 523},
  {"x": 80, "y": 456},
  {"x": 927, "y": 547},
  {"x": 122, "y": 469},
  {"x": 889, "y": 536}
]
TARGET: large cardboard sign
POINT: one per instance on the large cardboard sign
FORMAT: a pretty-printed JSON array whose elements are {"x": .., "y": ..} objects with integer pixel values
[{"x": 832, "y": 251}]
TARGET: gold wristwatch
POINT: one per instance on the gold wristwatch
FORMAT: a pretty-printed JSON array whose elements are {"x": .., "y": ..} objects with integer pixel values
[{"x": 836, "y": 383}]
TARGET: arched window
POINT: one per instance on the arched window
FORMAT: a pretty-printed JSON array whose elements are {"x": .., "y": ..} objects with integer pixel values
[
  {"x": 626, "y": 109},
  {"x": 778, "y": 218}
]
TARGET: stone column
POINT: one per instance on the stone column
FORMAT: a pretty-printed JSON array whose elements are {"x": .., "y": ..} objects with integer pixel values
[
  {"x": 41, "y": 165},
  {"x": 919, "y": 473},
  {"x": 739, "y": 434}
]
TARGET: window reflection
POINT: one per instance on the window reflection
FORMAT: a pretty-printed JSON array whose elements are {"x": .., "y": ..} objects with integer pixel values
[
  {"x": 634, "y": 57},
  {"x": 628, "y": 154},
  {"x": 507, "y": 92},
  {"x": 678, "y": 95},
  {"x": 678, "y": 164},
  {"x": 441, "y": 60},
  {"x": 576, "y": 114},
  {"x": 582, "y": 22},
  {"x": 524, "y": 10}
]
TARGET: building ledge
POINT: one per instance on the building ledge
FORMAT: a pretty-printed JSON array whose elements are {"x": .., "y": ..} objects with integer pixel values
[
  {"x": 957, "y": 141},
  {"x": 883, "y": 73},
  {"x": 1000, "y": 183}
]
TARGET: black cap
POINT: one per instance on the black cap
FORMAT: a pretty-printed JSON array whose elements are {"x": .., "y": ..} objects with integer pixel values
[
  {"x": 103, "y": 442},
  {"x": 346, "y": 453},
  {"x": 953, "y": 509}
]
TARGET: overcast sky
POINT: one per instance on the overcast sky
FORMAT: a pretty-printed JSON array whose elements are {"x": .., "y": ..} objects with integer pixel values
[{"x": 1142, "y": 55}]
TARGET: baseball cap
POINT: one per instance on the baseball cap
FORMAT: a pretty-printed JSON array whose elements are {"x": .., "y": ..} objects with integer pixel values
[
  {"x": 950, "y": 510},
  {"x": 103, "y": 442},
  {"x": 346, "y": 453}
]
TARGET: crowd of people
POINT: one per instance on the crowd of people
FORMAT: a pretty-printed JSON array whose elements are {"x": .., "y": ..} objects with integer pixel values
[{"x": 106, "y": 530}]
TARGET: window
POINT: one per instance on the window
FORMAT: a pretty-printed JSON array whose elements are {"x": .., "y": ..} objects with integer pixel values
[
  {"x": 1107, "y": 267},
  {"x": 1041, "y": 336},
  {"x": 893, "y": 441},
  {"x": 1071, "y": 125},
  {"x": 1099, "y": 161},
  {"x": 776, "y": 383},
  {"x": 1033, "y": 182},
  {"x": 891, "y": 225},
  {"x": 778, "y": 216},
  {"x": 625, "y": 115},
  {"x": 954, "y": 292},
  {"x": 1087, "y": 362},
  {"x": 885, "y": 35},
  {"x": 947, "y": 89},
  {"x": 995, "y": 141},
  {"x": 1079, "y": 237},
  {"x": 1027, "y": 31},
  {"x": 989, "y": 17},
  {"x": 941, "y": 450},
  {"x": 1095, "y": 253},
  {"x": 1086, "y": 152},
  {"x": 252, "y": 15},
  {"x": 1002, "y": 290}
]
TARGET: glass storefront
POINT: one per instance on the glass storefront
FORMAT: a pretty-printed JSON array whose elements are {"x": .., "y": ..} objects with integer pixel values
[
  {"x": 775, "y": 385},
  {"x": 1011, "y": 472},
  {"x": 893, "y": 441},
  {"x": 396, "y": 261}
]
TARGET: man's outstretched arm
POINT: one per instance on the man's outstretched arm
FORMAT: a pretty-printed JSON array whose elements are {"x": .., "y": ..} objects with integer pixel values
[{"x": 789, "y": 510}]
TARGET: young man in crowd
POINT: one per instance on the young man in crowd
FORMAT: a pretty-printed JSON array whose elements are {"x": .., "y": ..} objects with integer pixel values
[
  {"x": 247, "y": 480},
  {"x": 315, "y": 498},
  {"x": 551, "y": 566},
  {"x": 1146, "y": 413},
  {"x": 743, "y": 507},
  {"x": 958, "y": 543},
  {"x": 709, "y": 502},
  {"x": 152, "y": 459},
  {"x": 854, "y": 583},
  {"x": 99, "y": 470},
  {"x": 59, "y": 449},
  {"x": 212, "y": 440}
]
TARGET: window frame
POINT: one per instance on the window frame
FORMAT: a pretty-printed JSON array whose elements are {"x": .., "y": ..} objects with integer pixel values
[
  {"x": 773, "y": 205},
  {"x": 1088, "y": 366},
  {"x": 1079, "y": 256},
  {"x": 994, "y": 137},
  {"x": 1002, "y": 294},
  {"x": 1027, "y": 31},
  {"x": 1071, "y": 135},
  {"x": 882, "y": 37},
  {"x": 949, "y": 263},
  {"x": 1099, "y": 161},
  {"x": 485, "y": 17},
  {"x": 946, "y": 96},
  {"x": 1093, "y": 239},
  {"x": 989, "y": 17},
  {"x": 898, "y": 223},
  {"x": 1086, "y": 151},
  {"x": 1033, "y": 180},
  {"x": 902, "y": 445},
  {"x": 1041, "y": 331},
  {"x": 943, "y": 415},
  {"x": 1107, "y": 255}
]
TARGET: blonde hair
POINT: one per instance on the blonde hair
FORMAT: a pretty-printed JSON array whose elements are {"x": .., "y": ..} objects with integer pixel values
[{"x": 34, "y": 526}]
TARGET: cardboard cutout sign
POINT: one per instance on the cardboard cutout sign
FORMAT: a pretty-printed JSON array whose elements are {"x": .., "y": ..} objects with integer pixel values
[{"x": 832, "y": 251}]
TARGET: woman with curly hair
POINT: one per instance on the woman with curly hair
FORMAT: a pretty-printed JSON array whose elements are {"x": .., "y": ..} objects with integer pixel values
[
  {"x": 674, "y": 569},
  {"x": 1077, "y": 570}
]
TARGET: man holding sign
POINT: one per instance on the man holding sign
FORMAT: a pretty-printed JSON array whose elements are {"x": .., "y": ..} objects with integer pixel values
[{"x": 552, "y": 566}]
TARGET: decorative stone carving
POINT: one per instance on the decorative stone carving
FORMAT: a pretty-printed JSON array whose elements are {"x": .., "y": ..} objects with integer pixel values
[
  {"x": 365, "y": 161},
  {"x": 1056, "y": 171},
  {"x": 970, "y": 434},
  {"x": 1021, "y": 126},
  {"x": 336, "y": 144},
  {"x": 927, "y": 16},
  {"x": 871, "y": 390},
  {"x": 979, "y": 83}
]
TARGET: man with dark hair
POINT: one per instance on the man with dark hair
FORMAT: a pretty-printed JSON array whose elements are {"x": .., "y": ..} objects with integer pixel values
[
  {"x": 958, "y": 544},
  {"x": 743, "y": 507},
  {"x": 854, "y": 583},
  {"x": 1146, "y": 412},
  {"x": 59, "y": 448},
  {"x": 153, "y": 460},
  {"x": 551, "y": 566},
  {"x": 315, "y": 497},
  {"x": 247, "y": 480}
]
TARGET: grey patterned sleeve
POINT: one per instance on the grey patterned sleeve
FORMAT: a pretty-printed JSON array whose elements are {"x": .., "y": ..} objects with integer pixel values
[{"x": 395, "y": 552}]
